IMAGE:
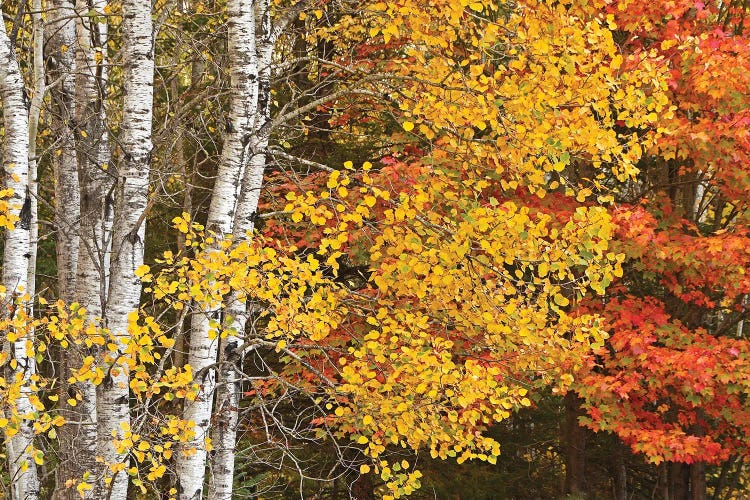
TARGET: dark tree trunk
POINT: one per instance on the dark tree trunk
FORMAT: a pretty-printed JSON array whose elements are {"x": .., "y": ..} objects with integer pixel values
[
  {"x": 362, "y": 488},
  {"x": 574, "y": 441},
  {"x": 698, "y": 481},
  {"x": 620, "y": 477},
  {"x": 680, "y": 481},
  {"x": 663, "y": 484}
]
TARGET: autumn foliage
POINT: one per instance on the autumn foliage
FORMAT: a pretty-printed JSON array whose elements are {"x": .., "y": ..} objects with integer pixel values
[
  {"x": 551, "y": 199},
  {"x": 671, "y": 382}
]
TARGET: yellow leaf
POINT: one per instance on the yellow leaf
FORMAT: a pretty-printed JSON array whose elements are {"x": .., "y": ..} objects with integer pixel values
[
  {"x": 666, "y": 44},
  {"x": 616, "y": 61},
  {"x": 82, "y": 487},
  {"x": 408, "y": 126},
  {"x": 364, "y": 469},
  {"x": 167, "y": 342},
  {"x": 561, "y": 300},
  {"x": 142, "y": 270},
  {"x": 542, "y": 269},
  {"x": 332, "y": 182}
]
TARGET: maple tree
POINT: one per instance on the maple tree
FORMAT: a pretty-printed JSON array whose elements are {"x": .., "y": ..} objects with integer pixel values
[{"x": 671, "y": 382}]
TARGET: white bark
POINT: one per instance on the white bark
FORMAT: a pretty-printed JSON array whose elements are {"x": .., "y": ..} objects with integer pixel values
[
  {"x": 228, "y": 391},
  {"x": 23, "y": 473},
  {"x": 242, "y": 114},
  {"x": 128, "y": 229},
  {"x": 31, "y": 488},
  {"x": 93, "y": 156}
]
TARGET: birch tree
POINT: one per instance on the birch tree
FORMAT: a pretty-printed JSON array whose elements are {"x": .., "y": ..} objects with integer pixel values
[
  {"x": 22, "y": 468},
  {"x": 128, "y": 235},
  {"x": 228, "y": 391},
  {"x": 61, "y": 64},
  {"x": 93, "y": 157},
  {"x": 39, "y": 89},
  {"x": 203, "y": 346}
]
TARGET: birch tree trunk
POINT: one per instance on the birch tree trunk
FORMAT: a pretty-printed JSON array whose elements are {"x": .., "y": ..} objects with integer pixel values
[
  {"x": 228, "y": 391},
  {"x": 32, "y": 487},
  {"x": 78, "y": 45},
  {"x": 128, "y": 234},
  {"x": 93, "y": 156},
  {"x": 23, "y": 473},
  {"x": 203, "y": 350}
]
